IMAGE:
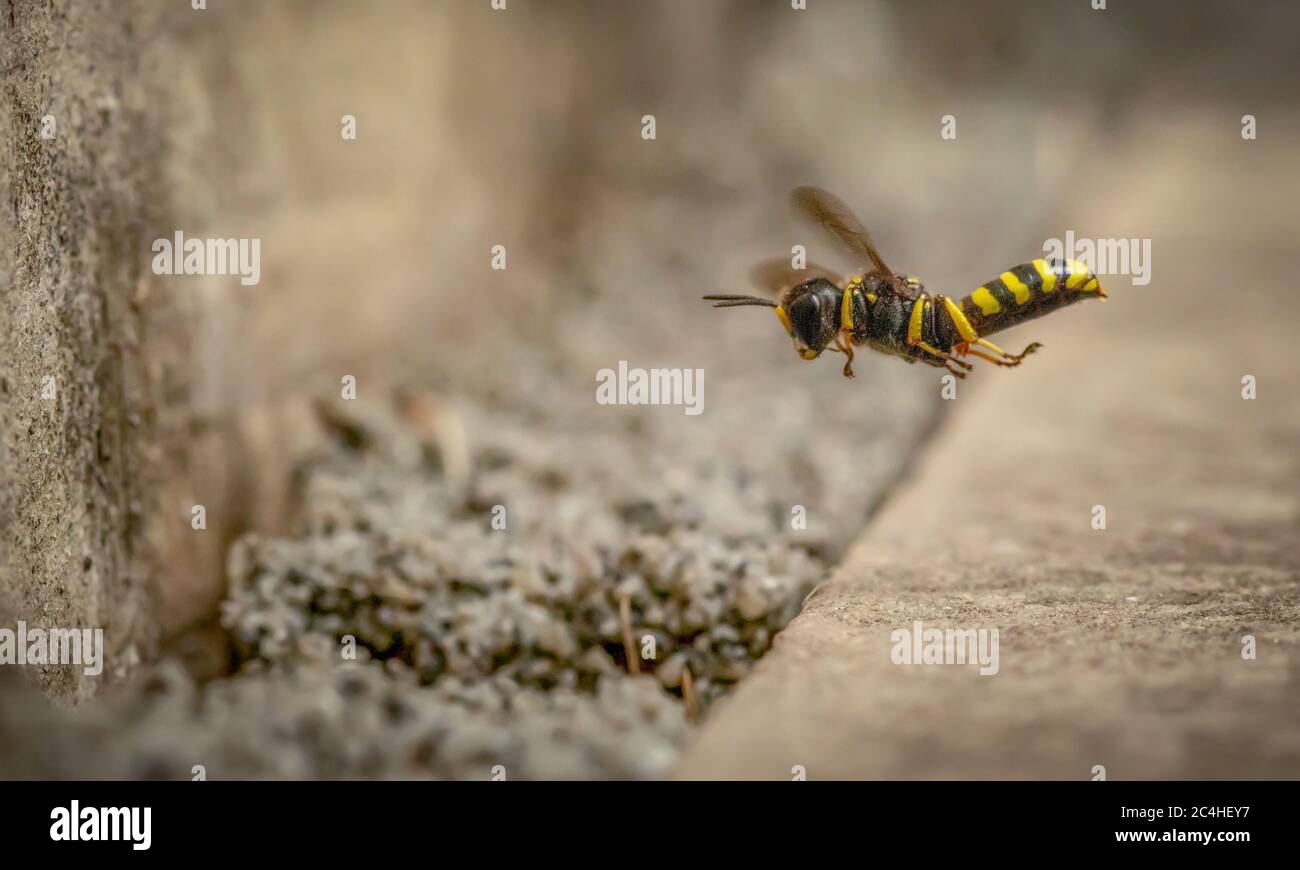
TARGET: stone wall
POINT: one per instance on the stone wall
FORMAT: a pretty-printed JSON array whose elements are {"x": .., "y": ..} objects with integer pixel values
[{"x": 77, "y": 185}]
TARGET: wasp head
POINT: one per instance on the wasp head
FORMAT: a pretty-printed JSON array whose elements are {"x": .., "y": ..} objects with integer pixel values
[{"x": 810, "y": 312}]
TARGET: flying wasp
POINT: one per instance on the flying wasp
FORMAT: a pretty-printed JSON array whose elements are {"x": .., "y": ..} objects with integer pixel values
[{"x": 892, "y": 313}]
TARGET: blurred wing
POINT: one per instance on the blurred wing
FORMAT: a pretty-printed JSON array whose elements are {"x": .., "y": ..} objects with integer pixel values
[
  {"x": 776, "y": 275},
  {"x": 829, "y": 211}
]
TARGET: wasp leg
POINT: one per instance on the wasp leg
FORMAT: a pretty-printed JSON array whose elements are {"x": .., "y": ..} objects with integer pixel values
[
  {"x": 845, "y": 347},
  {"x": 915, "y": 329},
  {"x": 942, "y": 358},
  {"x": 1029, "y": 348},
  {"x": 1014, "y": 359},
  {"x": 938, "y": 359},
  {"x": 959, "y": 362},
  {"x": 1007, "y": 360},
  {"x": 992, "y": 359}
]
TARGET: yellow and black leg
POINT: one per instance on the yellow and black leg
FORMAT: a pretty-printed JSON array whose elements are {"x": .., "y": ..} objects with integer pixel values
[
  {"x": 845, "y": 346},
  {"x": 970, "y": 337},
  {"x": 914, "y": 326},
  {"x": 1004, "y": 359},
  {"x": 844, "y": 338}
]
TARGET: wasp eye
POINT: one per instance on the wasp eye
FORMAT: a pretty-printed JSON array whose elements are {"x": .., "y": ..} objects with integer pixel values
[
  {"x": 814, "y": 317},
  {"x": 806, "y": 318}
]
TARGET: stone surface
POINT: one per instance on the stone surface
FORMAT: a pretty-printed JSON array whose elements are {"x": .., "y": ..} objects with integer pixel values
[
  {"x": 77, "y": 185},
  {"x": 397, "y": 633}
]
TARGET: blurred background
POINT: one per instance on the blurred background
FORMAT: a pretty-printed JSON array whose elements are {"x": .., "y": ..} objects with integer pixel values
[{"x": 523, "y": 128}]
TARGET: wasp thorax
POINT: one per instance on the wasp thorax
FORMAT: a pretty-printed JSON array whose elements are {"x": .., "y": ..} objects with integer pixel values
[{"x": 813, "y": 309}]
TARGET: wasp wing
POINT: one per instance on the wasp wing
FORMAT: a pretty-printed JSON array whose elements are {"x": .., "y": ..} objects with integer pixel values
[
  {"x": 777, "y": 275},
  {"x": 829, "y": 211}
]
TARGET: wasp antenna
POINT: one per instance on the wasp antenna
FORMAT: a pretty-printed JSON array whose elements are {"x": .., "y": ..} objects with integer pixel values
[{"x": 730, "y": 301}]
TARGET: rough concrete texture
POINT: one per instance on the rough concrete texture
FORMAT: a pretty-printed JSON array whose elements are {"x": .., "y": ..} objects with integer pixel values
[
  {"x": 77, "y": 187},
  {"x": 358, "y": 720},
  {"x": 478, "y": 647},
  {"x": 1120, "y": 647}
]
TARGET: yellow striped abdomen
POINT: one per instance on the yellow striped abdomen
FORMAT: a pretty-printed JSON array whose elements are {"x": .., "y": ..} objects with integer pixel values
[{"x": 1027, "y": 291}]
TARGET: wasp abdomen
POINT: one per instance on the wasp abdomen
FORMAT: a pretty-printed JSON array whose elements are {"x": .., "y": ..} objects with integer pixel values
[{"x": 1027, "y": 291}]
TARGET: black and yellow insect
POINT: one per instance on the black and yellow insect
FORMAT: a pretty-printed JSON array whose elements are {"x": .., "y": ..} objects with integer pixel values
[{"x": 893, "y": 313}]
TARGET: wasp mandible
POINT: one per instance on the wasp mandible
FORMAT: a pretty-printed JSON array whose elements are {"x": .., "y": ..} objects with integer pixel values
[{"x": 892, "y": 313}]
